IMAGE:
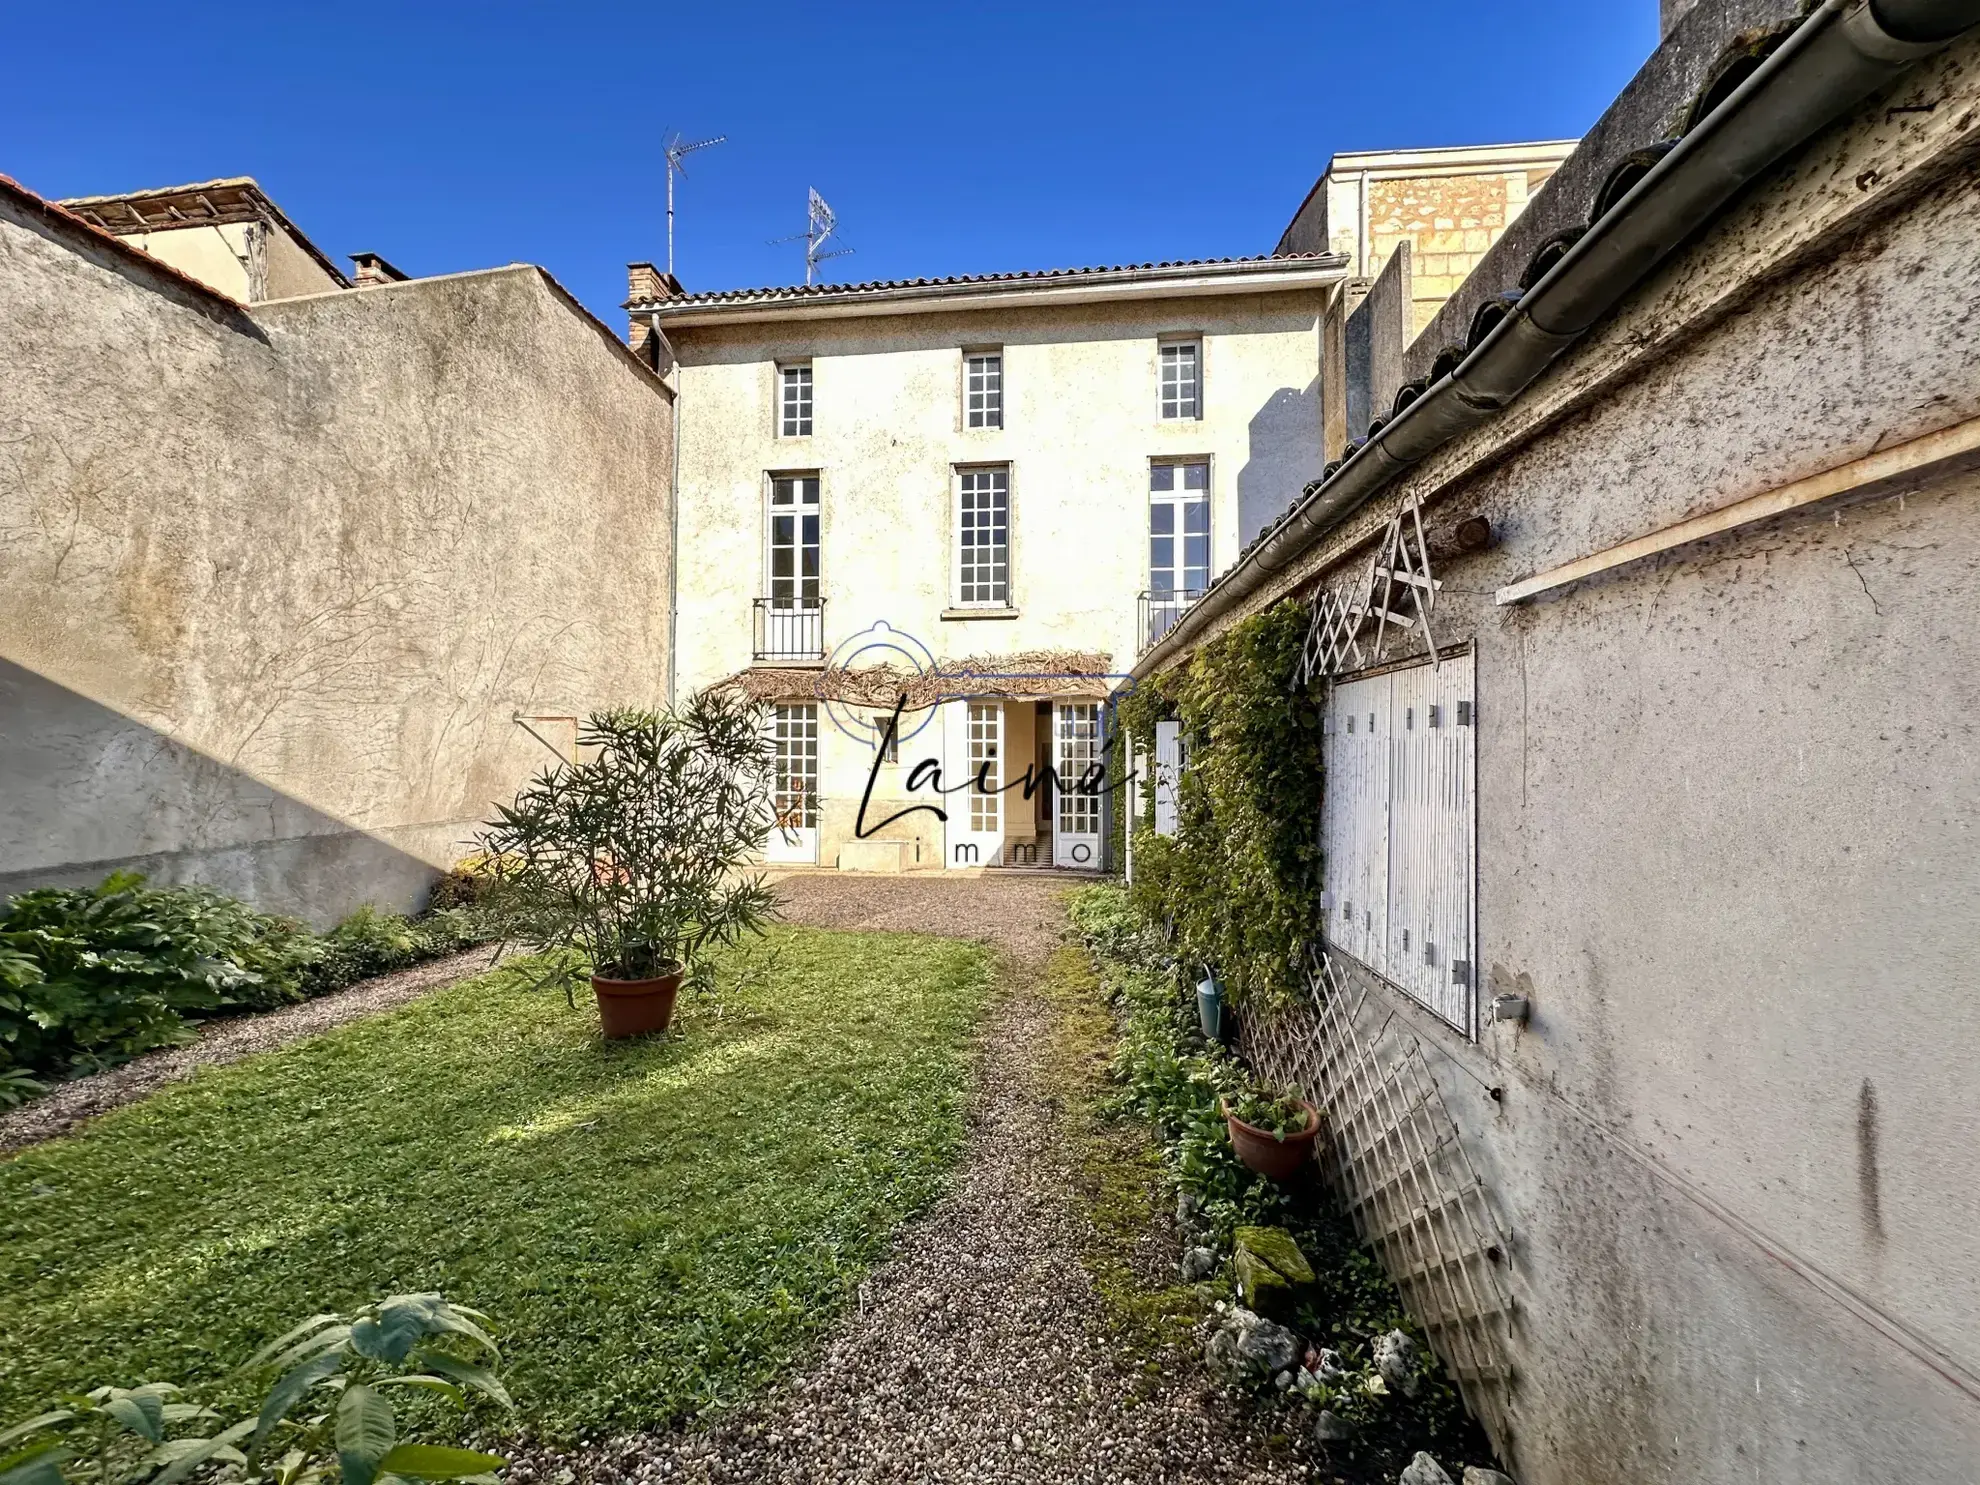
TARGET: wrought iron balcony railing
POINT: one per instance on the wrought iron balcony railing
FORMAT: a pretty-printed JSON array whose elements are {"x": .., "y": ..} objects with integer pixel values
[
  {"x": 790, "y": 629},
  {"x": 1159, "y": 611}
]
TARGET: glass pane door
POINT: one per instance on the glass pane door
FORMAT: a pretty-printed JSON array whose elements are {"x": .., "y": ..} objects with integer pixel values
[{"x": 793, "y": 556}]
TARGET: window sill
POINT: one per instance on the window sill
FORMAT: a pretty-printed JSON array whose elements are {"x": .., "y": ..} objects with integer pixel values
[
  {"x": 795, "y": 662},
  {"x": 979, "y": 613}
]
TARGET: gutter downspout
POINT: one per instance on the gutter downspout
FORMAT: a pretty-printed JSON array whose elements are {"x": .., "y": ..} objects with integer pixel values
[{"x": 1845, "y": 51}]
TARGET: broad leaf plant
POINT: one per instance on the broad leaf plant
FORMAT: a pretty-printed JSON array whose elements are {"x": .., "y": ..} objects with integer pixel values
[{"x": 327, "y": 1416}]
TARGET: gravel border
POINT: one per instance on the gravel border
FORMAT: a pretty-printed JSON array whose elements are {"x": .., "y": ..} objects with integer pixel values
[
  {"x": 66, "y": 1105},
  {"x": 980, "y": 1350}
]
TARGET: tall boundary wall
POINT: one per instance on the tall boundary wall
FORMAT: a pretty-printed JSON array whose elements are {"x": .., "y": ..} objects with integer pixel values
[{"x": 280, "y": 581}]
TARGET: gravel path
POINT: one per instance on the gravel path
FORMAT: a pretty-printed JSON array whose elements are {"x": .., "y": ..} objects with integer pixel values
[
  {"x": 980, "y": 1351},
  {"x": 69, "y": 1104}
]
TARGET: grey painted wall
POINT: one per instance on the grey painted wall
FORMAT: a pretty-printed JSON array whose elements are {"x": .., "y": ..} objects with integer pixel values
[
  {"x": 1727, "y": 808},
  {"x": 278, "y": 580},
  {"x": 1377, "y": 335}
]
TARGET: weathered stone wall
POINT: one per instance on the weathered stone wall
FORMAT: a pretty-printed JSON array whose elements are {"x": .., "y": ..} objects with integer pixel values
[
  {"x": 1726, "y": 812},
  {"x": 279, "y": 580},
  {"x": 1449, "y": 221}
]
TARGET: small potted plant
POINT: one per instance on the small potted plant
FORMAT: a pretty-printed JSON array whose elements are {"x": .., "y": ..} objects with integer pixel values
[
  {"x": 1272, "y": 1133},
  {"x": 636, "y": 855}
]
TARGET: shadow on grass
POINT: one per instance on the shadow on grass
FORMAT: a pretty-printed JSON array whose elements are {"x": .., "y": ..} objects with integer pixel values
[{"x": 657, "y": 1227}]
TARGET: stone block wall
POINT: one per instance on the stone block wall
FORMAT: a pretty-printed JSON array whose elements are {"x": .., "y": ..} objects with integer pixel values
[{"x": 1449, "y": 221}]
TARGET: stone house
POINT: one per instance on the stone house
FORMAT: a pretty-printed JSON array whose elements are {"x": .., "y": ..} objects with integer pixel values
[
  {"x": 1017, "y": 476},
  {"x": 1132, "y": 429},
  {"x": 1641, "y": 994}
]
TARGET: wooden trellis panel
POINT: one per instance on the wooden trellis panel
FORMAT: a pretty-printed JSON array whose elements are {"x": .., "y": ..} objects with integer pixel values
[{"x": 1393, "y": 1154}]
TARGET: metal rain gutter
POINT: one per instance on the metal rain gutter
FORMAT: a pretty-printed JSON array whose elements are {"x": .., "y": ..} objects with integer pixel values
[{"x": 1845, "y": 51}]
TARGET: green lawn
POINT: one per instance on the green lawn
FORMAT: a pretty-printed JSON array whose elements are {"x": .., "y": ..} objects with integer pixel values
[{"x": 654, "y": 1227}]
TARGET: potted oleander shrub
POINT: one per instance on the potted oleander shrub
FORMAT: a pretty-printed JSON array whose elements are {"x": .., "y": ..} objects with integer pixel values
[
  {"x": 634, "y": 859},
  {"x": 1272, "y": 1133}
]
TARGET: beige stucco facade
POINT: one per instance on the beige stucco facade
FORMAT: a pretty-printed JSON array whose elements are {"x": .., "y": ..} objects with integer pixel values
[
  {"x": 280, "y": 580},
  {"x": 1082, "y": 427},
  {"x": 227, "y": 234},
  {"x": 244, "y": 260}
]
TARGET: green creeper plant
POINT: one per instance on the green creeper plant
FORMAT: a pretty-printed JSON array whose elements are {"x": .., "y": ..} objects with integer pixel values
[
  {"x": 1239, "y": 882},
  {"x": 328, "y": 1412}
]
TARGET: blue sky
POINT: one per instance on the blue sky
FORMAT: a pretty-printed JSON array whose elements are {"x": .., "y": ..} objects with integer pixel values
[{"x": 950, "y": 139}]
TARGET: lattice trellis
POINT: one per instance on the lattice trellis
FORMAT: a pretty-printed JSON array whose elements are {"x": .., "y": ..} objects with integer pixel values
[
  {"x": 1403, "y": 570},
  {"x": 1393, "y": 1154},
  {"x": 1397, "y": 588},
  {"x": 1333, "y": 642}
]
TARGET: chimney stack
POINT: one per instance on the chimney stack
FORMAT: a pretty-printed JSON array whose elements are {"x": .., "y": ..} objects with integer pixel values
[
  {"x": 373, "y": 269},
  {"x": 646, "y": 284}
]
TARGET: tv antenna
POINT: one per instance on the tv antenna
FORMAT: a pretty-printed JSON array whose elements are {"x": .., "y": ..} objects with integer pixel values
[
  {"x": 676, "y": 153},
  {"x": 821, "y": 223}
]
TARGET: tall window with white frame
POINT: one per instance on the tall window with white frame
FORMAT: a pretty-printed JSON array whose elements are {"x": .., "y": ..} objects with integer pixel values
[
  {"x": 983, "y": 389},
  {"x": 794, "y": 400},
  {"x": 983, "y": 537},
  {"x": 792, "y": 624},
  {"x": 1181, "y": 364},
  {"x": 1178, "y": 542}
]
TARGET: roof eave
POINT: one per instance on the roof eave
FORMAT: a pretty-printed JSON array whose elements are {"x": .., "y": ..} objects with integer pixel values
[{"x": 1260, "y": 278}]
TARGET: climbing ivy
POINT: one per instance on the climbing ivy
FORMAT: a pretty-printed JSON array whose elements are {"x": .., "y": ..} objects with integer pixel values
[{"x": 1240, "y": 879}]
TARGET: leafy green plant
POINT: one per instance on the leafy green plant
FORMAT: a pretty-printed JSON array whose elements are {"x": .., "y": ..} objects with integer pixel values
[
  {"x": 635, "y": 856},
  {"x": 1270, "y": 1113},
  {"x": 1239, "y": 881},
  {"x": 17, "y": 1087},
  {"x": 1169, "y": 1074},
  {"x": 1166, "y": 1071},
  {"x": 96, "y": 975},
  {"x": 90, "y": 977},
  {"x": 328, "y": 1410}
]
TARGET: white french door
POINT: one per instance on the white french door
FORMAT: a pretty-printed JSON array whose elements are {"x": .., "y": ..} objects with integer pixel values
[
  {"x": 794, "y": 836},
  {"x": 973, "y": 758},
  {"x": 1075, "y": 749}
]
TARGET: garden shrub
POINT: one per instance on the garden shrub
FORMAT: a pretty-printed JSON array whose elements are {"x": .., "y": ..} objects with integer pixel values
[
  {"x": 339, "y": 1373},
  {"x": 93, "y": 976},
  {"x": 98, "y": 974},
  {"x": 1168, "y": 1072},
  {"x": 1239, "y": 882},
  {"x": 1173, "y": 1077}
]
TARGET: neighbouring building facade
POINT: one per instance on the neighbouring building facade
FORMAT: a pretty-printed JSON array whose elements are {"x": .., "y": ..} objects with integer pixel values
[
  {"x": 1446, "y": 207},
  {"x": 1643, "y": 1001},
  {"x": 226, "y": 234},
  {"x": 1001, "y": 487}
]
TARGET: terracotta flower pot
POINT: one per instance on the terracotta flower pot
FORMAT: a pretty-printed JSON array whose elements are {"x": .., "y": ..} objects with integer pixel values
[
  {"x": 635, "y": 1007},
  {"x": 1273, "y": 1158}
]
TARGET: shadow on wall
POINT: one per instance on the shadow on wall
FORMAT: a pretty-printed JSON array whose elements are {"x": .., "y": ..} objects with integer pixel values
[
  {"x": 85, "y": 790},
  {"x": 1284, "y": 455}
]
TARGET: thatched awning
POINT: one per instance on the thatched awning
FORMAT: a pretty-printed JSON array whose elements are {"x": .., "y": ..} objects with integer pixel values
[{"x": 1028, "y": 675}]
